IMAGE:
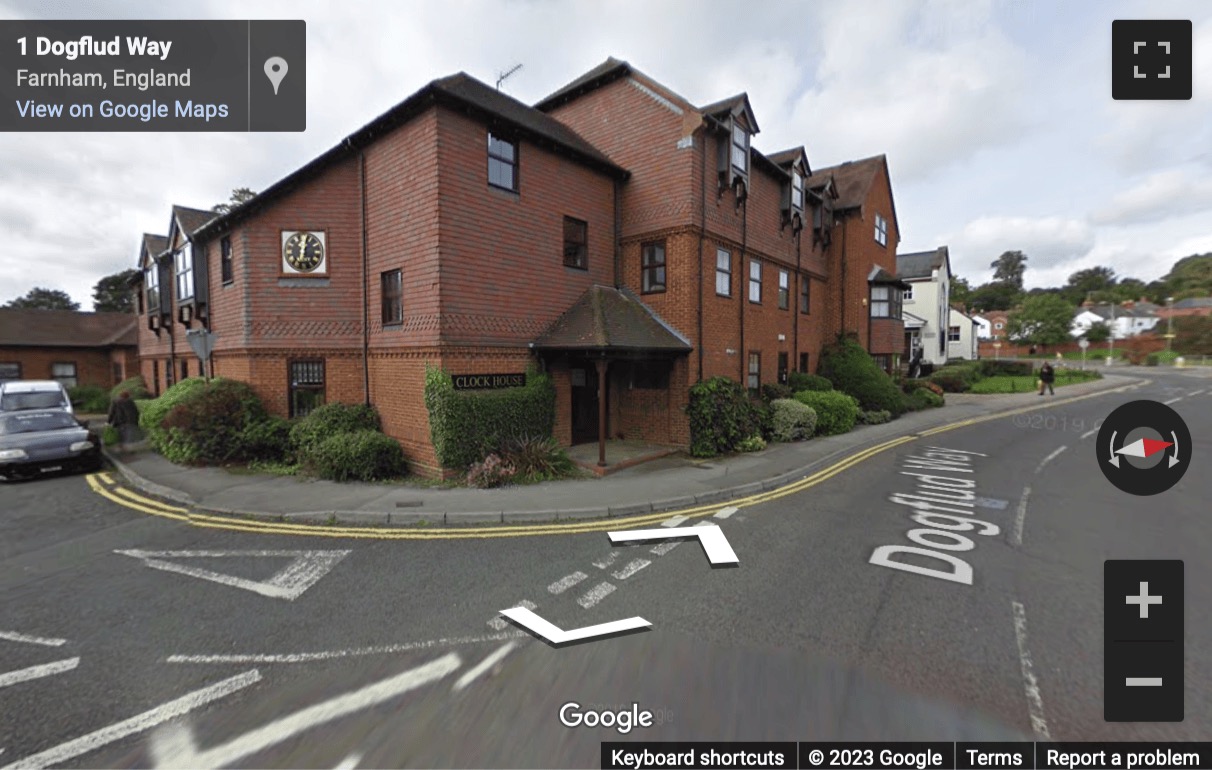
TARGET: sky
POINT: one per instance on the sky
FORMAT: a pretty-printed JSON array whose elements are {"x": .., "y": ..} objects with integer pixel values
[{"x": 996, "y": 117}]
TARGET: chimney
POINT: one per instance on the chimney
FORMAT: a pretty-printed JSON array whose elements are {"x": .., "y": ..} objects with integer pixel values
[{"x": 1129, "y": 304}]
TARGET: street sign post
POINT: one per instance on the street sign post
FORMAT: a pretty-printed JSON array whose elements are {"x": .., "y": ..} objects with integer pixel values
[
  {"x": 202, "y": 342},
  {"x": 1083, "y": 343}
]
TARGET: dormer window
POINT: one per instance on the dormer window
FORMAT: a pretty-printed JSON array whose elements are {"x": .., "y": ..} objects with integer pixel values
[
  {"x": 797, "y": 191},
  {"x": 151, "y": 279},
  {"x": 740, "y": 149},
  {"x": 184, "y": 266}
]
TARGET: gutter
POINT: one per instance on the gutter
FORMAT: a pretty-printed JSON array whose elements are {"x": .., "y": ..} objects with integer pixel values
[
  {"x": 365, "y": 280},
  {"x": 702, "y": 236}
]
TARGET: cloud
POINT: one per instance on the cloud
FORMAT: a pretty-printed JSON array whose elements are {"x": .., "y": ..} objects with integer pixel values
[
  {"x": 1048, "y": 242},
  {"x": 1161, "y": 196}
]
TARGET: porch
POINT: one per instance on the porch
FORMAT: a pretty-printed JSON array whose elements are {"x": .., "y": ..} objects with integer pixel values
[{"x": 619, "y": 454}]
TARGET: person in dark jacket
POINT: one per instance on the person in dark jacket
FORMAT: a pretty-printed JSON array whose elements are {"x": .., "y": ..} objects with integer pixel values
[
  {"x": 1047, "y": 375},
  {"x": 124, "y": 417}
]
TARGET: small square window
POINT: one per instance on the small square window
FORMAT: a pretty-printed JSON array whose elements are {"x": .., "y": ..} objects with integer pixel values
[
  {"x": 755, "y": 281},
  {"x": 784, "y": 290},
  {"x": 953, "y": 334},
  {"x": 10, "y": 370},
  {"x": 64, "y": 372},
  {"x": 907, "y": 293},
  {"x": 306, "y": 387},
  {"x": 576, "y": 243},
  {"x": 653, "y": 267},
  {"x": 391, "y": 286},
  {"x": 723, "y": 272}
]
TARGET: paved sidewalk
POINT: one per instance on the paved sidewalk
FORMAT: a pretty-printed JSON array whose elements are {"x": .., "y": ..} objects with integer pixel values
[{"x": 666, "y": 484}]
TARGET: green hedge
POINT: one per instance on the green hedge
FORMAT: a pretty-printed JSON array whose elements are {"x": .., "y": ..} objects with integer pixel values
[
  {"x": 792, "y": 420},
  {"x": 151, "y": 418},
  {"x": 210, "y": 424},
  {"x": 991, "y": 367},
  {"x": 329, "y": 420},
  {"x": 1161, "y": 358},
  {"x": 133, "y": 385},
  {"x": 801, "y": 381},
  {"x": 852, "y": 370},
  {"x": 467, "y": 425},
  {"x": 956, "y": 379},
  {"x": 772, "y": 391},
  {"x": 89, "y": 399},
  {"x": 361, "y": 455},
  {"x": 721, "y": 416},
  {"x": 836, "y": 412}
]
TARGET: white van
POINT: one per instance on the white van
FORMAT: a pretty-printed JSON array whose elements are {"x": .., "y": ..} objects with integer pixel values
[{"x": 18, "y": 395}]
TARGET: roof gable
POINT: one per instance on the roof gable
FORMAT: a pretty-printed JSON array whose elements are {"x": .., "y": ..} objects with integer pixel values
[
  {"x": 608, "y": 319},
  {"x": 735, "y": 106},
  {"x": 795, "y": 156},
  {"x": 922, "y": 264},
  {"x": 854, "y": 180},
  {"x": 23, "y": 327}
]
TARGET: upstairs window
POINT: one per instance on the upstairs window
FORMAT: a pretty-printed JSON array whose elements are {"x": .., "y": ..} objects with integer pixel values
[
  {"x": 225, "y": 259},
  {"x": 502, "y": 163},
  {"x": 953, "y": 334},
  {"x": 797, "y": 191},
  {"x": 652, "y": 267},
  {"x": 723, "y": 272},
  {"x": 151, "y": 277},
  {"x": 907, "y": 293},
  {"x": 881, "y": 230},
  {"x": 576, "y": 243},
  {"x": 784, "y": 290},
  {"x": 885, "y": 302},
  {"x": 755, "y": 281},
  {"x": 391, "y": 285},
  {"x": 183, "y": 261},
  {"x": 740, "y": 149},
  {"x": 805, "y": 287}
]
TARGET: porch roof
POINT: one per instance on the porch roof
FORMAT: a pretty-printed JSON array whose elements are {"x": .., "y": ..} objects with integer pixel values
[{"x": 609, "y": 320}]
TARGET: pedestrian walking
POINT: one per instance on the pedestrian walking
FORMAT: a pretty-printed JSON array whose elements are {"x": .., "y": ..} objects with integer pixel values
[
  {"x": 124, "y": 417},
  {"x": 1047, "y": 375}
]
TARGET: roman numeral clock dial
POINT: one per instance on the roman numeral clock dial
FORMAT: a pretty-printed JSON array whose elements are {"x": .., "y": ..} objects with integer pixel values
[{"x": 303, "y": 252}]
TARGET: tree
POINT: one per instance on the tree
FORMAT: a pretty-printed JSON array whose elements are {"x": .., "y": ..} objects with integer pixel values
[
  {"x": 1086, "y": 282},
  {"x": 1193, "y": 335},
  {"x": 1133, "y": 289},
  {"x": 1009, "y": 268},
  {"x": 112, "y": 294},
  {"x": 961, "y": 291},
  {"x": 993, "y": 296},
  {"x": 45, "y": 299},
  {"x": 1098, "y": 332},
  {"x": 238, "y": 196},
  {"x": 1044, "y": 319}
]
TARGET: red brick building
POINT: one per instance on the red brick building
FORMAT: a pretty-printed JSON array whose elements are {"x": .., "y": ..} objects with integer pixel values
[
  {"x": 617, "y": 235},
  {"x": 65, "y": 345}
]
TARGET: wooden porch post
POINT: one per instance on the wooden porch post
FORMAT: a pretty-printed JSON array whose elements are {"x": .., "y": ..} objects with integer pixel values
[{"x": 601, "y": 365}]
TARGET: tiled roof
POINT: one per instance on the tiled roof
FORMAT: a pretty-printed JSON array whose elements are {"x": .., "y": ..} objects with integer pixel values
[
  {"x": 611, "y": 69},
  {"x": 1193, "y": 302},
  {"x": 786, "y": 157},
  {"x": 191, "y": 220},
  {"x": 920, "y": 264},
  {"x": 607, "y": 319},
  {"x": 155, "y": 245},
  {"x": 460, "y": 91},
  {"x": 881, "y": 276},
  {"x": 66, "y": 328},
  {"x": 852, "y": 180}
]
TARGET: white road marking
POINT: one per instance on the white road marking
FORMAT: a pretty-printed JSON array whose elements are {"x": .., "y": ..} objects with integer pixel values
[
  {"x": 545, "y": 629},
  {"x": 307, "y": 657},
  {"x": 726, "y": 512},
  {"x": 1035, "y": 702},
  {"x": 665, "y": 548},
  {"x": 674, "y": 521},
  {"x": 1050, "y": 458},
  {"x": 1195, "y": 393},
  {"x": 710, "y": 536},
  {"x": 631, "y": 568},
  {"x": 596, "y": 594},
  {"x": 37, "y": 672},
  {"x": 500, "y": 624},
  {"x": 484, "y": 665},
  {"x": 1171, "y": 401},
  {"x": 1089, "y": 433},
  {"x": 350, "y": 762},
  {"x": 605, "y": 562},
  {"x": 290, "y": 583},
  {"x": 13, "y": 636},
  {"x": 137, "y": 724},
  {"x": 177, "y": 748},
  {"x": 566, "y": 582},
  {"x": 1020, "y": 517}
]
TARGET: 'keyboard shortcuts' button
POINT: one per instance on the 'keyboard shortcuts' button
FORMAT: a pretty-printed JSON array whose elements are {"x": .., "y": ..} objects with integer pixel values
[{"x": 1143, "y": 641}]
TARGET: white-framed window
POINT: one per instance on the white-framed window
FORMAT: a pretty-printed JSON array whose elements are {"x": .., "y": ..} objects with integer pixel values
[
  {"x": 797, "y": 191},
  {"x": 953, "y": 334},
  {"x": 784, "y": 290},
  {"x": 755, "y": 281},
  {"x": 999, "y": 325},
  {"x": 65, "y": 373},
  {"x": 183, "y": 262},
  {"x": 908, "y": 293},
  {"x": 885, "y": 302},
  {"x": 881, "y": 230},
  {"x": 151, "y": 279},
  {"x": 755, "y": 371},
  {"x": 740, "y": 148},
  {"x": 723, "y": 272}
]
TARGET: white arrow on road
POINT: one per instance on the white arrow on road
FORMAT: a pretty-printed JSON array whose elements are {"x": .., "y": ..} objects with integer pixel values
[
  {"x": 290, "y": 583},
  {"x": 715, "y": 545},
  {"x": 556, "y": 635}
]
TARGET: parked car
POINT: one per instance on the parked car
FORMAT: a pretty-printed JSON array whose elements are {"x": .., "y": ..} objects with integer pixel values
[
  {"x": 16, "y": 395},
  {"x": 37, "y": 441}
]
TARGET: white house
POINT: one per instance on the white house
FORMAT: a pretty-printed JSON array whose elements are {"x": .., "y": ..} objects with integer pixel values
[
  {"x": 1124, "y": 320},
  {"x": 926, "y": 308},
  {"x": 962, "y": 336},
  {"x": 984, "y": 327}
]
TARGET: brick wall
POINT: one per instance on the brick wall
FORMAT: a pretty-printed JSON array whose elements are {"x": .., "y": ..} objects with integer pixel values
[{"x": 93, "y": 365}]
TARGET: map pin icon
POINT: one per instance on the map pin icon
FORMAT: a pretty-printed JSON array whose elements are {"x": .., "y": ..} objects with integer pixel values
[{"x": 275, "y": 70}]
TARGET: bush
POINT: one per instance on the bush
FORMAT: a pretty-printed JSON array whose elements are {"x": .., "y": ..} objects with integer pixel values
[
  {"x": 754, "y": 443},
  {"x": 791, "y": 420},
  {"x": 836, "y": 412},
  {"x": 853, "y": 371},
  {"x": 153, "y": 413},
  {"x": 721, "y": 416},
  {"x": 268, "y": 440},
  {"x": 467, "y": 425},
  {"x": 798, "y": 381},
  {"x": 775, "y": 390},
  {"x": 955, "y": 379},
  {"x": 329, "y": 420},
  {"x": 876, "y": 417},
  {"x": 537, "y": 458},
  {"x": 361, "y": 455},
  {"x": 995, "y": 366},
  {"x": 133, "y": 385},
  {"x": 764, "y": 417},
  {"x": 492, "y": 471},
  {"x": 110, "y": 436},
  {"x": 1161, "y": 358},
  {"x": 209, "y": 424},
  {"x": 923, "y": 398},
  {"x": 89, "y": 399},
  {"x": 911, "y": 385}
]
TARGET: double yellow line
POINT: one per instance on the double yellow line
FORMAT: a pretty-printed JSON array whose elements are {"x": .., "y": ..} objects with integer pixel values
[{"x": 104, "y": 485}]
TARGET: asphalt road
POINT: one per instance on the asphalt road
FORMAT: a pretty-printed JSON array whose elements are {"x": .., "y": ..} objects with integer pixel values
[{"x": 391, "y": 653}]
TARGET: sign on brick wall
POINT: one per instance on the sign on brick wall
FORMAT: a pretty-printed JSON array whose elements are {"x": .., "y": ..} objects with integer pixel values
[{"x": 488, "y": 381}]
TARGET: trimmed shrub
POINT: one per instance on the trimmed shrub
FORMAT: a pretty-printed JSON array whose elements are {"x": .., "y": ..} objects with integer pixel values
[
  {"x": 537, "y": 458},
  {"x": 955, "y": 379},
  {"x": 361, "y": 455},
  {"x": 853, "y": 371},
  {"x": 268, "y": 440},
  {"x": 133, "y": 385},
  {"x": 799, "y": 381},
  {"x": 110, "y": 435},
  {"x": 89, "y": 399},
  {"x": 467, "y": 425},
  {"x": 328, "y": 420},
  {"x": 923, "y": 398},
  {"x": 764, "y": 416},
  {"x": 1161, "y": 358},
  {"x": 492, "y": 471},
  {"x": 876, "y": 417},
  {"x": 775, "y": 390},
  {"x": 911, "y": 385},
  {"x": 791, "y": 420},
  {"x": 153, "y": 413},
  {"x": 754, "y": 443},
  {"x": 721, "y": 416},
  {"x": 209, "y": 424},
  {"x": 836, "y": 412},
  {"x": 991, "y": 367}
]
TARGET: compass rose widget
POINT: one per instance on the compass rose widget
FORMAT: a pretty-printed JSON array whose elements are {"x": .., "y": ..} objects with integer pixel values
[{"x": 1144, "y": 448}]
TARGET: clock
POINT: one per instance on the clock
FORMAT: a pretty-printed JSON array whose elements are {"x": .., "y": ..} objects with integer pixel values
[{"x": 303, "y": 252}]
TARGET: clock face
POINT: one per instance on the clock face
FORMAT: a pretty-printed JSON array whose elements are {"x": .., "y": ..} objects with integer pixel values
[{"x": 304, "y": 252}]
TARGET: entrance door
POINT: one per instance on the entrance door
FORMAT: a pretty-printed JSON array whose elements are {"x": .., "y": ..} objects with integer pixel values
[{"x": 584, "y": 404}]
